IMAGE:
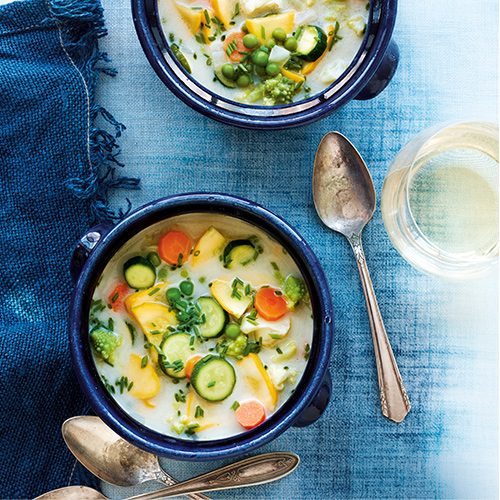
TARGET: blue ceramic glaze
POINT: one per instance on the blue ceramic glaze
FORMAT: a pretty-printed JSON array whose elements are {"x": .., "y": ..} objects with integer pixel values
[
  {"x": 304, "y": 406},
  {"x": 368, "y": 74}
]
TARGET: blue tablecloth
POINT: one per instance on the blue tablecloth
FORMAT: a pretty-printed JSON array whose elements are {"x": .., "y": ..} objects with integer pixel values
[{"x": 444, "y": 336}]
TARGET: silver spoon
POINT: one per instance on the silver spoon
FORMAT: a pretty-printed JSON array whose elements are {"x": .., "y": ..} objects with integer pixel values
[
  {"x": 344, "y": 197},
  {"x": 110, "y": 457},
  {"x": 251, "y": 471}
]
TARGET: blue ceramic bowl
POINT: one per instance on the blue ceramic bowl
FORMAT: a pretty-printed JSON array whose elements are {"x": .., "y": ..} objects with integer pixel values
[
  {"x": 312, "y": 394},
  {"x": 368, "y": 74}
]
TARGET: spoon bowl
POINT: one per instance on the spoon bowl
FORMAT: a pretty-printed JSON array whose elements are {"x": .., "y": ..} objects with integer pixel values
[
  {"x": 345, "y": 200},
  {"x": 343, "y": 189}
]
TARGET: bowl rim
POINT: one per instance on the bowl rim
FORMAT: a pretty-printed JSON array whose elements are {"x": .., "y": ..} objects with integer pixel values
[
  {"x": 356, "y": 77},
  {"x": 307, "y": 388}
]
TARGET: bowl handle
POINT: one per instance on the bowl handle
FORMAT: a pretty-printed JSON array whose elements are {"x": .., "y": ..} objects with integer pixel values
[
  {"x": 318, "y": 404},
  {"x": 85, "y": 246},
  {"x": 383, "y": 75}
]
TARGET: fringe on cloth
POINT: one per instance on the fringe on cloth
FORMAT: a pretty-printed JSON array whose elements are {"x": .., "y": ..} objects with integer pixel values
[{"x": 81, "y": 24}]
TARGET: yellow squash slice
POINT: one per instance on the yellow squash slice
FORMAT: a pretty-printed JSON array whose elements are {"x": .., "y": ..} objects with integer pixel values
[
  {"x": 208, "y": 246},
  {"x": 146, "y": 381},
  {"x": 190, "y": 16},
  {"x": 258, "y": 381},
  {"x": 222, "y": 292},
  {"x": 263, "y": 27}
]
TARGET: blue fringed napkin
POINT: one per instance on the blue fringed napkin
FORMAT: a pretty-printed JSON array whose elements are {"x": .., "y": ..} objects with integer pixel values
[{"x": 56, "y": 167}]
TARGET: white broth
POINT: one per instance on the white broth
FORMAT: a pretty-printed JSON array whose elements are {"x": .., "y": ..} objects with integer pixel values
[
  {"x": 201, "y": 326},
  {"x": 264, "y": 52}
]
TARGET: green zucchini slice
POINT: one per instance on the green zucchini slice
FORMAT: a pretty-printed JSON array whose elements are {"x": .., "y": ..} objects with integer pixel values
[
  {"x": 213, "y": 378},
  {"x": 239, "y": 253},
  {"x": 216, "y": 318},
  {"x": 177, "y": 350},
  {"x": 311, "y": 43},
  {"x": 139, "y": 273}
]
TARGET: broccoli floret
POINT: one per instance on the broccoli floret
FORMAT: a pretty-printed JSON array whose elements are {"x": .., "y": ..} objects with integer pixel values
[
  {"x": 104, "y": 343},
  {"x": 279, "y": 90},
  {"x": 295, "y": 289}
]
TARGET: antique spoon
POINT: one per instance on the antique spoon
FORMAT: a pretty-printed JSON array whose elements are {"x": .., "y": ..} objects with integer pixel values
[
  {"x": 110, "y": 457},
  {"x": 251, "y": 471},
  {"x": 344, "y": 197}
]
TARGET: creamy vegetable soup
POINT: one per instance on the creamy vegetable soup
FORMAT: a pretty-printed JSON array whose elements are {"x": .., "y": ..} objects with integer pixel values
[
  {"x": 264, "y": 52},
  {"x": 201, "y": 326}
]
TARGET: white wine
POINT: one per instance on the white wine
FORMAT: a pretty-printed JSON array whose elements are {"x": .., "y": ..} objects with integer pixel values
[
  {"x": 453, "y": 199},
  {"x": 440, "y": 197}
]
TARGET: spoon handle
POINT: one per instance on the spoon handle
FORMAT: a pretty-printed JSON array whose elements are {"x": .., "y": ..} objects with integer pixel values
[
  {"x": 168, "y": 480},
  {"x": 393, "y": 398},
  {"x": 254, "y": 470}
]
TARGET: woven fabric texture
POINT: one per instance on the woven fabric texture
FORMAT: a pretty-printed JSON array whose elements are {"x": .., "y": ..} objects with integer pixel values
[{"x": 52, "y": 162}]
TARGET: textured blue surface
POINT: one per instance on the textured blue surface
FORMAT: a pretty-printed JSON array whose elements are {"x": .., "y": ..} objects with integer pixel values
[{"x": 444, "y": 336}]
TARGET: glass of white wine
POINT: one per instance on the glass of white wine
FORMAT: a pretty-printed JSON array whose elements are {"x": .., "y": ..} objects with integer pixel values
[{"x": 440, "y": 200}]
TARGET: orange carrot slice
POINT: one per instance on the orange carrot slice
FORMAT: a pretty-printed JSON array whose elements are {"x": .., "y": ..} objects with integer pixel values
[
  {"x": 174, "y": 247},
  {"x": 250, "y": 414},
  {"x": 270, "y": 305},
  {"x": 188, "y": 367},
  {"x": 237, "y": 40},
  {"x": 117, "y": 296}
]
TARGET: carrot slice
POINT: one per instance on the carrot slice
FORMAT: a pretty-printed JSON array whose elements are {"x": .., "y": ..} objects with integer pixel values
[
  {"x": 236, "y": 38},
  {"x": 269, "y": 304},
  {"x": 188, "y": 367},
  {"x": 174, "y": 247},
  {"x": 118, "y": 295},
  {"x": 250, "y": 414}
]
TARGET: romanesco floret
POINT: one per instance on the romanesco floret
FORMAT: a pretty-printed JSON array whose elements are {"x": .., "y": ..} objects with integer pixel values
[
  {"x": 295, "y": 289},
  {"x": 104, "y": 343},
  {"x": 278, "y": 90},
  {"x": 236, "y": 346}
]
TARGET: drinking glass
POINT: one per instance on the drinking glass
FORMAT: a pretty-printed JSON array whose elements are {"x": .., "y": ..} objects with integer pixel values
[{"x": 439, "y": 200}]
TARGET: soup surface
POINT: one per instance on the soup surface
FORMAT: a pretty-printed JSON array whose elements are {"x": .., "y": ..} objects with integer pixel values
[
  {"x": 264, "y": 52},
  {"x": 201, "y": 326}
]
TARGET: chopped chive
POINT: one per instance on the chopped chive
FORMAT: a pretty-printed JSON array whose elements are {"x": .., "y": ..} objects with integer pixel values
[
  {"x": 144, "y": 361},
  {"x": 131, "y": 329},
  {"x": 275, "y": 336},
  {"x": 154, "y": 332},
  {"x": 111, "y": 324},
  {"x": 235, "y": 406},
  {"x": 211, "y": 384},
  {"x": 179, "y": 259},
  {"x": 115, "y": 296},
  {"x": 307, "y": 352},
  {"x": 263, "y": 31},
  {"x": 152, "y": 292},
  {"x": 199, "y": 412},
  {"x": 278, "y": 350},
  {"x": 194, "y": 425}
]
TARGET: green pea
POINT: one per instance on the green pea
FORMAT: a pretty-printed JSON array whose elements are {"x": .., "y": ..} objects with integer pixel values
[
  {"x": 270, "y": 44},
  {"x": 249, "y": 67},
  {"x": 260, "y": 58},
  {"x": 250, "y": 41},
  {"x": 228, "y": 71},
  {"x": 279, "y": 34},
  {"x": 260, "y": 71},
  {"x": 187, "y": 287},
  {"x": 232, "y": 331},
  {"x": 154, "y": 259},
  {"x": 272, "y": 69},
  {"x": 173, "y": 294},
  {"x": 291, "y": 44},
  {"x": 243, "y": 81}
]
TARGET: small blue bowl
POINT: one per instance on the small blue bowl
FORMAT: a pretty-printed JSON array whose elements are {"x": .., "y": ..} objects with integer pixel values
[
  {"x": 94, "y": 251},
  {"x": 369, "y": 73}
]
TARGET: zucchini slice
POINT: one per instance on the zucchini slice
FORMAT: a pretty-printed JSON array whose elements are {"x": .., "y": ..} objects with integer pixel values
[
  {"x": 213, "y": 378},
  {"x": 312, "y": 43},
  {"x": 177, "y": 349},
  {"x": 139, "y": 273},
  {"x": 239, "y": 252},
  {"x": 216, "y": 318}
]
